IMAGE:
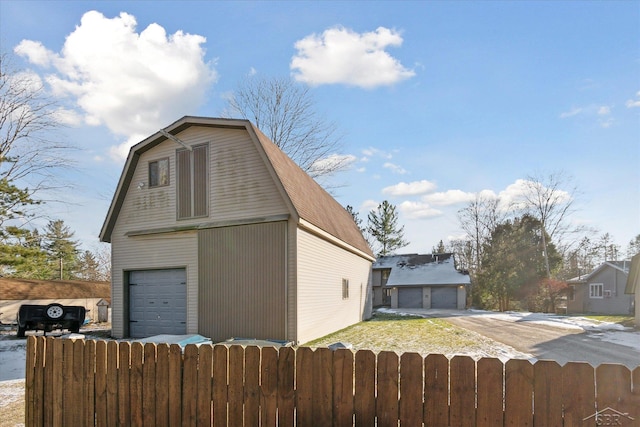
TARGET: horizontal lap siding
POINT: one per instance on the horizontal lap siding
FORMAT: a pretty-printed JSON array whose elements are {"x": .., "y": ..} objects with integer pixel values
[
  {"x": 321, "y": 268},
  {"x": 177, "y": 250},
  {"x": 243, "y": 281}
]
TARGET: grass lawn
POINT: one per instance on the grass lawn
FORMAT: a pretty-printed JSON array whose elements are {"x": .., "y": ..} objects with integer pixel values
[{"x": 411, "y": 334}]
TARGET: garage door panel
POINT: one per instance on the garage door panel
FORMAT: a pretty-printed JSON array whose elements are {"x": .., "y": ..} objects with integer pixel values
[
  {"x": 445, "y": 297},
  {"x": 157, "y": 302},
  {"x": 410, "y": 297}
]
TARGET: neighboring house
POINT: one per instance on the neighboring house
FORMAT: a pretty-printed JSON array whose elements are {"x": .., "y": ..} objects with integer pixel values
[
  {"x": 15, "y": 292},
  {"x": 601, "y": 291},
  {"x": 633, "y": 286},
  {"x": 215, "y": 231},
  {"x": 419, "y": 281}
]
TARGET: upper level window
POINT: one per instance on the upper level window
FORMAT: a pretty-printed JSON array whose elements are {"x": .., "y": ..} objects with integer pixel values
[
  {"x": 159, "y": 173},
  {"x": 192, "y": 182},
  {"x": 595, "y": 290},
  {"x": 345, "y": 288}
]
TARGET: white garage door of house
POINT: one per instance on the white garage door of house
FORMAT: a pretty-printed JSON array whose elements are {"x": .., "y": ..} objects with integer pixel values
[
  {"x": 444, "y": 297},
  {"x": 157, "y": 302},
  {"x": 409, "y": 297}
]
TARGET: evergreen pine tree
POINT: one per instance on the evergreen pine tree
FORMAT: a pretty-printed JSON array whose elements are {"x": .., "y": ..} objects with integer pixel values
[{"x": 383, "y": 227}]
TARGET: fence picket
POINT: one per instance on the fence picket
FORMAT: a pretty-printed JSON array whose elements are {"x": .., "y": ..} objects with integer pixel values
[
  {"x": 343, "y": 387},
  {"x": 77, "y": 374},
  {"x": 162, "y": 385},
  {"x": 518, "y": 385},
  {"x": 112, "y": 382},
  {"x": 387, "y": 398},
  {"x": 205, "y": 374},
  {"x": 489, "y": 391},
  {"x": 322, "y": 386},
  {"x": 220, "y": 389},
  {"x": 29, "y": 382},
  {"x": 411, "y": 389},
  {"x": 48, "y": 380},
  {"x": 124, "y": 397},
  {"x": 252, "y": 386},
  {"x": 175, "y": 385},
  {"x": 578, "y": 393},
  {"x": 236, "y": 384},
  {"x": 613, "y": 392},
  {"x": 67, "y": 404},
  {"x": 135, "y": 383},
  {"x": 38, "y": 381},
  {"x": 304, "y": 386},
  {"x": 547, "y": 392},
  {"x": 286, "y": 386},
  {"x": 269, "y": 387},
  {"x": 149, "y": 385},
  {"x": 88, "y": 385},
  {"x": 101, "y": 383},
  {"x": 190, "y": 386},
  {"x": 436, "y": 390},
  {"x": 365, "y": 388},
  {"x": 463, "y": 391}
]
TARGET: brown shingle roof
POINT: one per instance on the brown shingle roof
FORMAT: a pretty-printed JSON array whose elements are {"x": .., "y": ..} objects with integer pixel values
[
  {"x": 310, "y": 200},
  {"x": 25, "y": 289}
]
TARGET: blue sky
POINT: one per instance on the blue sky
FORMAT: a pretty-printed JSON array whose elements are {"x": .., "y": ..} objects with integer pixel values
[{"x": 437, "y": 101}]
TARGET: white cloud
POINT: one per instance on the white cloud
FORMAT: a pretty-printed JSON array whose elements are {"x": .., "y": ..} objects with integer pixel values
[
  {"x": 395, "y": 168},
  {"x": 513, "y": 195},
  {"x": 134, "y": 83},
  {"x": 634, "y": 103},
  {"x": 338, "y": 162},
  {"x": 449, "y": 197},
  {"x": 368, "y": 205},
  {"x": 340, "y": 55},
  {"x": 604, "y": 110},
  {"x": 409, "y": 189},
  {"x": 375, "y": 152},
  {"x": 418, "y": 210},
  {"x": 573, "y": 112}
]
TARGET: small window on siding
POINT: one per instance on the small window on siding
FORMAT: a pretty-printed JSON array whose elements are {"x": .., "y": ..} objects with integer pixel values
[
  {"x": 345, "y": 288},
  {"x": 595, "y": 290},
  {"x": 192, "y": 182},
  {"x": 159, "y": 173}
]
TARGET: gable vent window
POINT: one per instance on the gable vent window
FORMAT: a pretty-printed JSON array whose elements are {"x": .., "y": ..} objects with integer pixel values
[
  {"x": 192, "y": 182},
  {"x": 159, "y": 173},
  {"x": 345, "y": 288}
]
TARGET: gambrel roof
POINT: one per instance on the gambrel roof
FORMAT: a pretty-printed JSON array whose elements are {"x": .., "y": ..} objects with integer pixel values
[{"x": 309, "y": 203}]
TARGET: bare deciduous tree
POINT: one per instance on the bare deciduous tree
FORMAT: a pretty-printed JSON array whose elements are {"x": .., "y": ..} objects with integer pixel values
[
  {"x": 550, "y": 200},
  {"x": 285, "y": 111},
  {"x": 30, "y": 154},
  {"x": 479, "y": 219}
]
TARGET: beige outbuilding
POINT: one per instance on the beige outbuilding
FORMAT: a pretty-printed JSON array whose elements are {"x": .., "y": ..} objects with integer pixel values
[{"x": 215, "y": 231}]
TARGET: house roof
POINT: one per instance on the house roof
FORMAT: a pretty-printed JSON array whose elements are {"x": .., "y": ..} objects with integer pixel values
[
  {"x": 416, "y": 270},
  {"x": 633, "y": 280},
  {"x": 308, "y": 200},
  {"x": 622, "y": 266},
  {"x": 26, "y": 289}
]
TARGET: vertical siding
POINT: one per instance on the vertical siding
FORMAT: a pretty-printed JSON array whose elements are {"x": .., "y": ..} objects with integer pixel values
[
  {"x": 321, "y": 268},
  {"x": 242, "y": 281},
  {"x": 177, "y": 250}
]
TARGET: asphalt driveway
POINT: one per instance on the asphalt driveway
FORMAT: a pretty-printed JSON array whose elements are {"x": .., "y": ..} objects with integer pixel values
[{"x": 551, "y": 337}]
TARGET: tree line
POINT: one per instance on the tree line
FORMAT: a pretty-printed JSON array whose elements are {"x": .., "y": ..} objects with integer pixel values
[{"x": 520, "y": 255}]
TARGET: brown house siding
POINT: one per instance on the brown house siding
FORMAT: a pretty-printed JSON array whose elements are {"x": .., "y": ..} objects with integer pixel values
[{"x": 242, "y": 281}]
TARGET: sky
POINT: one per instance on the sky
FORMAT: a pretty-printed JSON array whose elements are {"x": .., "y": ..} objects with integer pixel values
[{"x": 436, "y": 101}]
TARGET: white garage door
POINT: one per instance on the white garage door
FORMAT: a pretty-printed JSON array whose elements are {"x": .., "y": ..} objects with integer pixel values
[
  {"x": 444, "y": 297},
  {"x": 410, "y": 297},
  {"x": 157, "y": 302}
]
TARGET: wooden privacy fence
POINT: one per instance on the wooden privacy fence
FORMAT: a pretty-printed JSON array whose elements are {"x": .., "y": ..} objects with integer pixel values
[{"x": 109, "y": 383}]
